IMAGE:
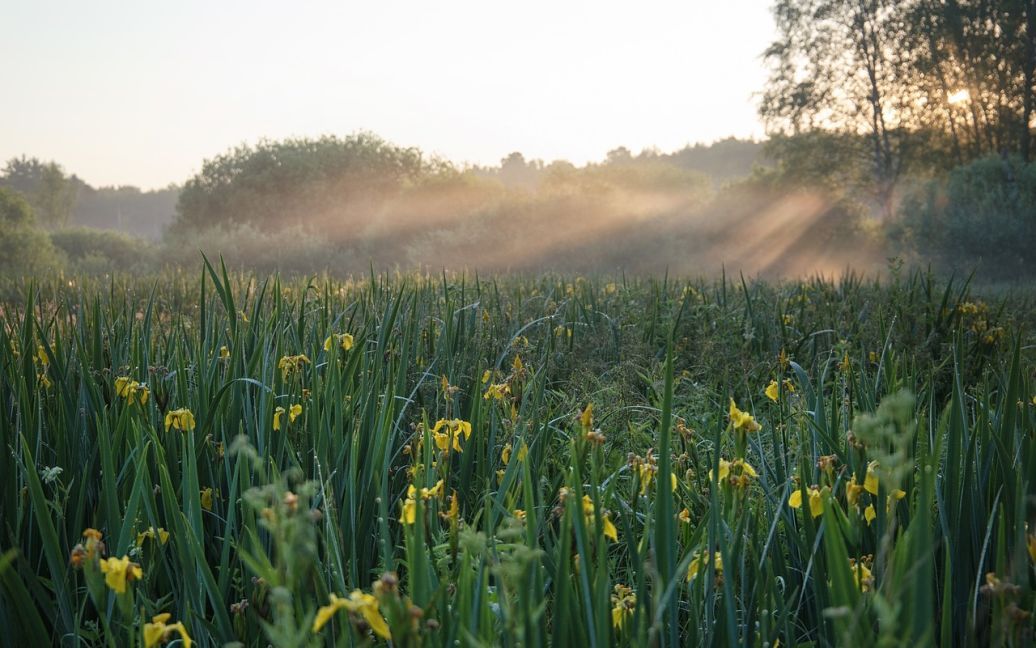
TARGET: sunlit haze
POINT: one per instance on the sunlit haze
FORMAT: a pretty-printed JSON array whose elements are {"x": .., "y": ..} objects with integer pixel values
[{"x": 135, "y": 93}]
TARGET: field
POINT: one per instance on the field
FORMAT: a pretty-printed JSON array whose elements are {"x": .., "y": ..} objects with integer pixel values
[{"x": 517, "y": 461}]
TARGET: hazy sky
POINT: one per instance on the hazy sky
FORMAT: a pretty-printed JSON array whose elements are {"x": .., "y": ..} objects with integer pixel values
[{"x": 141, "y": 92}]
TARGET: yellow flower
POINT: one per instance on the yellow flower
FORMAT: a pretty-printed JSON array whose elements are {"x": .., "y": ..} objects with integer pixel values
[
  {"x": 131, "y": 390},
  {"x": 737, "y": 472},
  {"x": 364, "y": 605},
  {"x": 861, "y": 575},
  {"x": 624, "y": 602},
  {"x": 608, "y": 528},
  {"x": 93, "y": 546},
  {"x": 224, "y": 352},
  {"x": 700, "y": 563},
  {"x": 497, "y": 391},
  {"x": 853, "y": 491},
  {"x": 343, "y": 340},
  {"x": 454, "y": 513},
  {"x": 448, "y": 433},
  {"x": 685, "y": 516},
  {"x": 123, "y": 384},
  {"x": 206, "y": 498},
  {"x": 586, "y": 418},
  {"x": 894, "y": 497},
  {"x": 742, "y": 421},
  {"x": 180, "y": 419},
  {"x": 724, "y": 470},
  {"x": 293, "y": 413},
  {"x": 290, "y": 364},
  {"x": 816, "y": 502},
  {"x": 158, "y": 631},
  {"x": 41, "y": 356},
  {"x": 869, "y": 514},
  {"x": 772, "y": 390},
  {"x": 746, "y": 468},
  {"x": 519, "y": 514},
  {"x": 436, "y": 491},
  {"x": 870, "y": 482},
  {"x": 151, "y": 534},
  {"x": 118, "y": 571},
  {"x": 1030, "y": 544},
  {"x": 505, "y": 454},
  {"x": 409, "y": 511}
]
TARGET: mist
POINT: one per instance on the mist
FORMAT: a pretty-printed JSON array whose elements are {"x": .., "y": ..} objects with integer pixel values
[{"x": 369, "y": 202}]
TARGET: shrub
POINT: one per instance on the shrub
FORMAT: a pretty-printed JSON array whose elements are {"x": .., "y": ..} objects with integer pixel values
[
  {"x": 24, "y": 248},
  {"x": 96, "y": 251},
  {"x": 983, "y": 212},
  {"x": 292, "y": 250}
]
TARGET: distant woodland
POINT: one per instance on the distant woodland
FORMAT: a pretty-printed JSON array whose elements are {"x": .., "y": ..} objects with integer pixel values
[{"x": 895, "y": 130}]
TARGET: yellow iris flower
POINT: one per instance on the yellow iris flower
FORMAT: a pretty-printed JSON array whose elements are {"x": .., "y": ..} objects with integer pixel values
[
  {"x": 159, "y": 629},
  {"x": 131, "y": 390},
  {"x": 359, "y": 603},
  {"x": 742, "y": 421},
  {"x": 119, "y": 571},
  {"x": 700, "y": 563},
  {"x": 290, "y": 364},
  {"x": 624, "y": 602},
  {"x": 293, "y": 413},
  {"x": 861, "y": 575},
  {"x": 870, "y": 482},
  {"x": 816, "y": 502},
  {"x": 608, "y": 528},
  {"x": 741, "y": 469},
  {"x": 447, "y": 433},
  {"x": 151, "y": 534},
  {"x": 179, "y": 419},
  {"x": 206, "y": 498},
  {"x": 343, "y": 340}
]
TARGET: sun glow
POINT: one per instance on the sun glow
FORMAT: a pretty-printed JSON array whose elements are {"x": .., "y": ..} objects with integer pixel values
[{"x": 958, "y": 97}]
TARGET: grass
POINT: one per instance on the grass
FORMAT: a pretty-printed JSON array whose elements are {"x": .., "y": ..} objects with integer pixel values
[{"x": 551, "y": 522}]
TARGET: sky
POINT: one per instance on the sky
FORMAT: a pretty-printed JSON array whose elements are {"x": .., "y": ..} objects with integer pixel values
[{"x": 141, "y": 93}]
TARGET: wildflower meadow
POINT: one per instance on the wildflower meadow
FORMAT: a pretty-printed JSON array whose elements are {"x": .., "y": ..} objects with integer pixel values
[{"x": 210, "y": 458}]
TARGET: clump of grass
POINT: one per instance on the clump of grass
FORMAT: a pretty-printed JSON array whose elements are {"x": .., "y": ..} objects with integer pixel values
[{"x": 519, "y": 461}]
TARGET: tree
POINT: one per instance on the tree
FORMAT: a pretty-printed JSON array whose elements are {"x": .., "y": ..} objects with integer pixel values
[
  {"x": 318, "y": 183},
  {"x": 49, "y": 191},
  {"x": 835, "y": 67},
  {"x": 929, "y": 83},
  {"x": 24, "y": 249}
]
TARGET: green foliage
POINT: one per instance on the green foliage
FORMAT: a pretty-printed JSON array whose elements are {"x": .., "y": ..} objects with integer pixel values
[
  {"x": 546, "y": 522},
  {"x": 45, "y": 186},
  {"x": 982, "y": 212},
  {"x": 312, "y": 181},
  {"x": 24, "y": 249},
  {"x": 92, "y": 250}
]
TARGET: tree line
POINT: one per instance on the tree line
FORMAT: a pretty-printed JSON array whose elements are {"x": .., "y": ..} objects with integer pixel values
[{"x": 909, "y": 87}]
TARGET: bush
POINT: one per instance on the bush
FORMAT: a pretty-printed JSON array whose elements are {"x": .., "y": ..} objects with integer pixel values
[
  {"x": 24, "y": 248},
  {"x": 292, "y": 250},
  {"x": 96, "y": 251},
  {"x": 983, "y": 212}
]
